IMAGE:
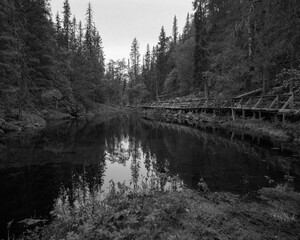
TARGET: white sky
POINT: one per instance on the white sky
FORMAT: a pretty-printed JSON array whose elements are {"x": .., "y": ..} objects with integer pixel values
[{"x": 119, "y": 21}]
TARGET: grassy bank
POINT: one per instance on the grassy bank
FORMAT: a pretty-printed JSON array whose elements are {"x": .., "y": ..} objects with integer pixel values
[
  {"x": 287, "y": 133},
  {"x": 146, "y": 213}
]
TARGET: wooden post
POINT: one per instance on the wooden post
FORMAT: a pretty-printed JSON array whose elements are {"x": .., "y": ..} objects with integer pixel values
[
  {"x": 232, "y": 111},
  {"x": 276, "y": 118},
  {"x": 292, "y": 102}
]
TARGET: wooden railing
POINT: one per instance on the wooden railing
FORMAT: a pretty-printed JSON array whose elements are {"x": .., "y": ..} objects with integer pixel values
[{"x": 285, "y": 104}]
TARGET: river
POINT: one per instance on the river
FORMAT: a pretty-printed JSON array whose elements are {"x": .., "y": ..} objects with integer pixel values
[{"x": 66, "y": 161}]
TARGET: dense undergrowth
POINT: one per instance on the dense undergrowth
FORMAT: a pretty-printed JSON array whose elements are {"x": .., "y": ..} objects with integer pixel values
[{"x": 147, "y": 212}]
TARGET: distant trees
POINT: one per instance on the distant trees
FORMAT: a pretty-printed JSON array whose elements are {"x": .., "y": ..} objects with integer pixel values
[
  {"x": 117, "y": 78},
  {"x": 227, "y": 47},
  {"x": 168, "y": 67},
  {"x": 137, "y": 90}
]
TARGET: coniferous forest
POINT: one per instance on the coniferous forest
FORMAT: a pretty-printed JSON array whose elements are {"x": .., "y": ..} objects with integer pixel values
[
  {"x": 95, "y": 148},
  {"x": 226, "y": 47}
]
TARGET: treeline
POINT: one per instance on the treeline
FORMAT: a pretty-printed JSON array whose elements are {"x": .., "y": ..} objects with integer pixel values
[
  {"x": 46, "y": 63},
  {"x": 226, "y": 46}
]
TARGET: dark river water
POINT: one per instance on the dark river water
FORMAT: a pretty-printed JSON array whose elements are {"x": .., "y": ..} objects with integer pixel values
[{"x": 38, "y": 171}]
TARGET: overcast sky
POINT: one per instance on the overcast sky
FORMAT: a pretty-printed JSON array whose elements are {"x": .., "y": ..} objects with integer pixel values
[{"x": 119, "y": 21}]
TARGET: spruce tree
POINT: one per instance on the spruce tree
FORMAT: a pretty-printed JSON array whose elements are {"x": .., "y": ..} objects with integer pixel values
[
  {"x": 201, "y": 55},
  {"x": 148, "y": 59},
  {"x": 9, "y": 46},
  {"x": 73, "y": 37},
  {"x": 135, "y": 61},
  {"x": 175, "y": 31},
  {"x": 80, "y": 36},
  {"x": 58, "y": 32},
  {"x": 88, "y": 42},
  {"x": 186, "y": 29},
  {"x": 161, "y": 61},
  {"x": 67, "y": 24}
]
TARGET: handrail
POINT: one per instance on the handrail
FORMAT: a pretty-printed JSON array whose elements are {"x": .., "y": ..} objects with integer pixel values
[{"x": 286, "y": 102}]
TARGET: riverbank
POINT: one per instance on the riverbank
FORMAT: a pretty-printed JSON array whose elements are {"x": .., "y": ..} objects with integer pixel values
[
  {"x": 272, "y": 213},
  {"x": 34, "y": 120},
  {"x": 288, "y": 134}
]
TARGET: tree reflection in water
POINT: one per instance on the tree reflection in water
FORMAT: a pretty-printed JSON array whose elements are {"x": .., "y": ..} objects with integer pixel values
[{"x": 70, "y": 164}]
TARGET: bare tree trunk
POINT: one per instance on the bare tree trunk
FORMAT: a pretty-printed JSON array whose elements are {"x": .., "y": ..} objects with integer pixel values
[
  {"x": 291, "y": 80},
  {"x": 248, "y": 80},
  {"x": 266, "y": 78}
]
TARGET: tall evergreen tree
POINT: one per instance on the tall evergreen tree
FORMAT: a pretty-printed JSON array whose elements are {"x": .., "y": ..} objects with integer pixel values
[
  {"x": 9, "y": 45},
  {"x": 135, "y": 61},
  {"x": 175, "y": 31},
  {"x": 148, "y": 59},
  {"x": 201, "y": 55},
  {"x": 58, "y": 31},
  {"x": 80, "y": 36},
  {"x": 186, "y": 28},
  {"x": 67, "y": 24},
  {"x": 161, "y": 61},
  {"x": 88, "y": 44},
  {"x": 73, "y": 37}
]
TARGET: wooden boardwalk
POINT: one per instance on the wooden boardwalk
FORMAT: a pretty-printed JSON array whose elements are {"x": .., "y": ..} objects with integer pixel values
[{"x": 288, "y": 104}]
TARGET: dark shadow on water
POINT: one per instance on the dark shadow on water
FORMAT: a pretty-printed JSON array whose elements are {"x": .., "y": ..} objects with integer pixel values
[{"x": 68, "y": 162}]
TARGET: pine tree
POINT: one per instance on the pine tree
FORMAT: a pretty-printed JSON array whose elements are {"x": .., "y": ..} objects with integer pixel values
[
  {"x": 161, "y": 61},
  {"x": 148, "y": 59},
  {"x": 175, "y": 31},
  {"x": 153, "y": 74},
  {"x": 99, "y": 54},
  {"x": 147, "y": 68},
  {"x": 80, "y": 36},
  {"x": 67, "y": 24},
  {"x": 73, "y": 37},
  {"x": 9, "y": 46},
  {"x": 58, "y": 32},
  {"x": 135, "y": 61},
  {"x": 201, "y": 58},
  {"x": 186, "y": 29},
  {"x": 88, "y": 43},
  {"x": 38, "y": 39}
]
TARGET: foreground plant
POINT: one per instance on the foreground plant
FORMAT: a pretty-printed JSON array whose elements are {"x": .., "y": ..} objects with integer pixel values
[{"x": 147, "y": 213}]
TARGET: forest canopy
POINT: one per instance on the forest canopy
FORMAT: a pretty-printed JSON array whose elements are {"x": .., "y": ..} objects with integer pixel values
[{"x": 226, "y": 47}]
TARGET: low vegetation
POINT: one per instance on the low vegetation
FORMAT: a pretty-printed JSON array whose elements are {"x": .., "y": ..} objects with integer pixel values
[
  {"x": 285, "y": 133},
  {"x": 147, "y": 213}
]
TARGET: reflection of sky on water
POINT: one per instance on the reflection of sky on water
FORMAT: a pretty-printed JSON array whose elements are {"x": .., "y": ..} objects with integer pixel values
[
  {"x": 73, "y": 163},
  {"x": 125, "y": 166}
]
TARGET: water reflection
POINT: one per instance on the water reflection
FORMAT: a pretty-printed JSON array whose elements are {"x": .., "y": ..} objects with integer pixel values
[{"x": 72, "y": 163}]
